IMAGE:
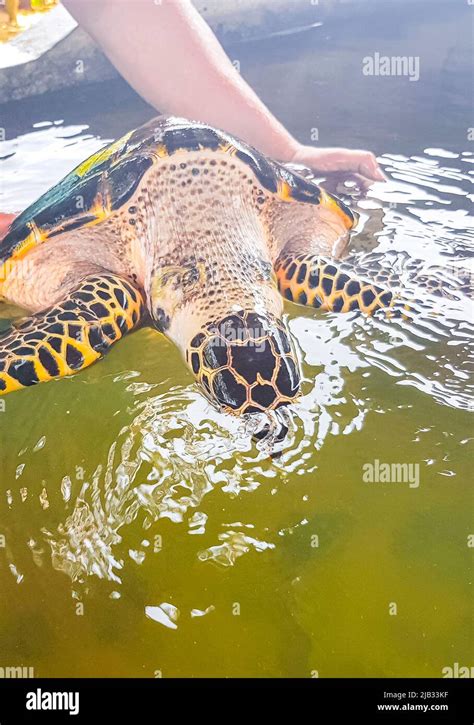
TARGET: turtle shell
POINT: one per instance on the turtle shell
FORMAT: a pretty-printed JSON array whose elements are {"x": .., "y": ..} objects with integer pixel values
[{"x": 106, "y": 180}]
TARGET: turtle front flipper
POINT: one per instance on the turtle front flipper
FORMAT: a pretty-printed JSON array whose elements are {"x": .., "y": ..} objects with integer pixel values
[
  {"x": 311, "y": 280},
  {"x": 71, "y": 335}
]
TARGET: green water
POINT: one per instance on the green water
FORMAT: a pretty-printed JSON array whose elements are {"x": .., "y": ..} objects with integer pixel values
[
  {"x": 147, "y": 534},
  {"x": 158, "y": 462}
]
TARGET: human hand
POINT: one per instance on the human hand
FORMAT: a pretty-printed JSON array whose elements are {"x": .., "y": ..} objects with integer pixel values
[{"x": 362, "y": 163}]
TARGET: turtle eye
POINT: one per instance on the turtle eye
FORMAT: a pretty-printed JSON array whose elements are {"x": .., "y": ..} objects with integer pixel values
[{"x": 245, "y": 363}]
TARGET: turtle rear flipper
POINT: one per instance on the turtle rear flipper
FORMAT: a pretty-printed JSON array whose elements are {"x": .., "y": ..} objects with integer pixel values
[{"x": 71, "y": 335}]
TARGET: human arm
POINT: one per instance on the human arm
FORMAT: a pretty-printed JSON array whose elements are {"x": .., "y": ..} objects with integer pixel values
[{"x": 168, "y": 53}]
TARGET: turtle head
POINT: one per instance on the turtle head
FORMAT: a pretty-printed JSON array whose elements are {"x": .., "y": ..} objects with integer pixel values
[
  {"x": 240, "y": 353},
  {"x": 245, "y": 362}
]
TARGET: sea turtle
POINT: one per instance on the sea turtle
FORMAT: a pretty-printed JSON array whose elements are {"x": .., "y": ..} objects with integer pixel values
[{"x": 183, "y": 227}]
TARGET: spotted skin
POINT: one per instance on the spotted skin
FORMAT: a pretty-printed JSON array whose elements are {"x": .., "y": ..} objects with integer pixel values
[
  {"x": 71, "y": 335},
  {"x": 247, "y": 362},
  {"x": 316, "y": 282}
]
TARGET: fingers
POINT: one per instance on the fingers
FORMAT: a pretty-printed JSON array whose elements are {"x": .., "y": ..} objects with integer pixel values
[
  {"x": 368, "y": 166},
  {"x": 350, "y": 184},
  {"x": 339, "y": 159}
]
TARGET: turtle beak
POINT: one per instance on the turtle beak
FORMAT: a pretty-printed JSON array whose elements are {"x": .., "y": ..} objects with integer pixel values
[{"x": 245, "y": 363}]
